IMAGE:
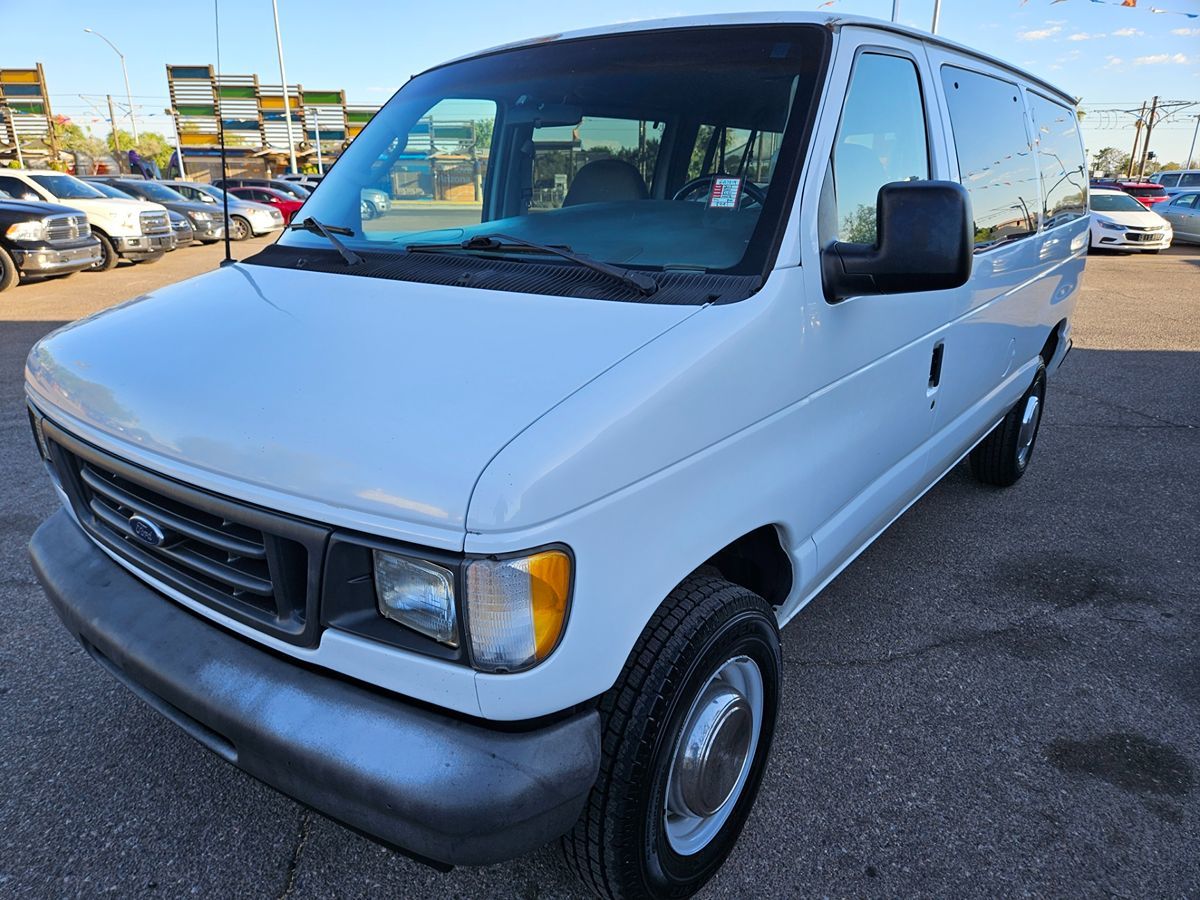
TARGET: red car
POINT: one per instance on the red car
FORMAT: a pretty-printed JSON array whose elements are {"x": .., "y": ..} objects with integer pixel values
[
  {"x": 281, "y": 201},
  {"x": 1146, "y": 193}
]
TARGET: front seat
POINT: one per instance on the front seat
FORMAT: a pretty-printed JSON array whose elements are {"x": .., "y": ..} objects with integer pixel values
[{"x": 606, "y": 181}]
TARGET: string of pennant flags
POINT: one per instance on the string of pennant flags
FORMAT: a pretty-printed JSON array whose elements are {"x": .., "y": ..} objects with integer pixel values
[{"x": 1128, "y": 4}]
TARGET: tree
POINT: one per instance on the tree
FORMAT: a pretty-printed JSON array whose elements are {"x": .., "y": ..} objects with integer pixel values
[
  {"x": 150, "y": 145},
  {"x": 483, "y": 133},
  {"x": 1111, "y": 161}
]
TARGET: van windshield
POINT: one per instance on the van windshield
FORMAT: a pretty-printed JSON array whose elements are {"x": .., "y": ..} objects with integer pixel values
[{"x": 659, "y": 150}]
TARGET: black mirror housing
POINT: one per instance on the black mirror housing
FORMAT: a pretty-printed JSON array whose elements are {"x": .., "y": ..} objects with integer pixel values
[{"x": 924, "y": 242}]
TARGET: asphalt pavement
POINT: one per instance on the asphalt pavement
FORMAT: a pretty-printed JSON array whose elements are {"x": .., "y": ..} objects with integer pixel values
[{"x": 1001, "y": 697}]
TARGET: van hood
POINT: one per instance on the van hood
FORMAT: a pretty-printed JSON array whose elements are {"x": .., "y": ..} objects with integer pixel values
[{"x": 361, "y": 401}]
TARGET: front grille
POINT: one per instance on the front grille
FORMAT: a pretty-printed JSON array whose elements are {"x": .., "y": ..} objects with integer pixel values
[
  {"x": 65, "y": 229},
  {"x": 258, "y": 567},
  {"x": 154, "y": 223}
]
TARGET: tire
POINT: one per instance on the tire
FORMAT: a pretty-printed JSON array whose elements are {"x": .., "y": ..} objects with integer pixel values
[
  {"x": 366, "y": 210},
  {"x": 624, "y": 844},
  {"x": 9, "y": 274},
  {"x": 108, "y": 254},
  {"x": 1156, "y": 250},
  {"x": 239, "y": 228},
  {"x": 1002, "y": 457}
]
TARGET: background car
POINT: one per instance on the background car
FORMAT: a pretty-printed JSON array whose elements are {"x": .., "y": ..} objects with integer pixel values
[
  {"x": 372, "y": 203},
  {"x": 246, "y": 218},
  {"x": 293, "y": 189},
  {"x": 1179, "y": 180},
  {"x": 1146, "y": 193},
  {"x": 182, "y": 226},
  {"x": 288, "y": 206},
  {"x": 1119, "y": 221},
  {"x": 41, "y": 239},
  {"x": 203, "y": 221},
  {"x": 1183, "y": 212}
]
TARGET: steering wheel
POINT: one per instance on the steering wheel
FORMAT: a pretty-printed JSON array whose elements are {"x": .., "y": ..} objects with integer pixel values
[{"x": 751, "y": 192}]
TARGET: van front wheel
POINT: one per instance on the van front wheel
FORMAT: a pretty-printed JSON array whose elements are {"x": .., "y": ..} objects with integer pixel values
[
  {"x": 1002, "y": 457},
  {"x": 687, "y": 730}
]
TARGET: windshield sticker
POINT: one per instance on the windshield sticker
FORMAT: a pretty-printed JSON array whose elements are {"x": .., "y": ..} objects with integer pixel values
[{"x": 726, "y": 192}]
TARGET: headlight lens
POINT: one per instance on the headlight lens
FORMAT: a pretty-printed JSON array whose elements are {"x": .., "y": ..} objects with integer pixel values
[
  {"x": 1112, "y": 226},
  {"x": 27, "y": 231},
  {"x": 201, "y": 216},
  {"x": 417, "y": 594},
  {"x": 516, "y": 608}
]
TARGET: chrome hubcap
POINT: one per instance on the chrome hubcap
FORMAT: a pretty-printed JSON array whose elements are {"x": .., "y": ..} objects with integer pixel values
[
  {"x": 1029, "y": 423},
  {"x": 713, "y": 754}
]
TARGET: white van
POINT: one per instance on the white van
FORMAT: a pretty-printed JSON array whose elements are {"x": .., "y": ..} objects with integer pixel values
[
  {"x": 126, "y": 228},
  {"x": 474, "y": 524}
]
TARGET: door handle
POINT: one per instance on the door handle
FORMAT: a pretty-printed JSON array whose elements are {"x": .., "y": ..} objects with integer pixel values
[{"x": 935, "y": 365}]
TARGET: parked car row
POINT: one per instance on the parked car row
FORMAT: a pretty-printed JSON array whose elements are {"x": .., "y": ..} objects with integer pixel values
[
  {"x": 1122, "y": 220},
  {"x": 52, "y": 223}
]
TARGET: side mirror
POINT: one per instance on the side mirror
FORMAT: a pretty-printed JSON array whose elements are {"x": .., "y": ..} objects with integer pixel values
[{"x": 924, "y": 242}]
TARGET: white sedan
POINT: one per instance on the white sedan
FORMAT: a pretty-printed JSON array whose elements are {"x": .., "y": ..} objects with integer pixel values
[{"x": 1120, "y": 222}]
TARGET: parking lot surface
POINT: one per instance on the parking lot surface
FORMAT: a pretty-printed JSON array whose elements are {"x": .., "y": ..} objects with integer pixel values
[{"x": 1001, "y": 697}]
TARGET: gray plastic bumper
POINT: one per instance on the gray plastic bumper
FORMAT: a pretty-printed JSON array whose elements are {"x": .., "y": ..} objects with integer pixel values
[{"x": 445, "y": 789}]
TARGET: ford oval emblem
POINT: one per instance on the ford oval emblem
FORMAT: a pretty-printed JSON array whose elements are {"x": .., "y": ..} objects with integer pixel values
[{"x": 146, "y": 531}]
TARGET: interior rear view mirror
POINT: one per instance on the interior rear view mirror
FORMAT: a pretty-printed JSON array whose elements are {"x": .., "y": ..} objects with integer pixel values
[{"x": 923, "y": 242}]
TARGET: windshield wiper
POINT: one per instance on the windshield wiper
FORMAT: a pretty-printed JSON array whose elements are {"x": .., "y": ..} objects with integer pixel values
[
  {"x": 505, "y": 243},
  {"x": 330, "y": 232}
]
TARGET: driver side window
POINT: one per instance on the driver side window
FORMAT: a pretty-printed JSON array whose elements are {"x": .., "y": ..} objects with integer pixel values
[{"x": 881, "y": 139}]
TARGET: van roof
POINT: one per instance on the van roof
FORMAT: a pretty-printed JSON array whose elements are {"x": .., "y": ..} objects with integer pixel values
[{"x": 829, "y": 20}]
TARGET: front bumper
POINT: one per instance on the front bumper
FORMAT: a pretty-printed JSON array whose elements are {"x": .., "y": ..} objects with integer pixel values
[
  {"x": 444, "y": 789},
  {"x": 144, "y": 245},
  {"x": 46, "y": 259},
  {"x": 208, "y": 231},
  {"x": 1132, "y": 240}
]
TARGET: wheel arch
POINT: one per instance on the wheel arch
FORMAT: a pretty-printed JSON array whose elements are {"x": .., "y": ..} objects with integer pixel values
[{"x": 759, "y": 562}]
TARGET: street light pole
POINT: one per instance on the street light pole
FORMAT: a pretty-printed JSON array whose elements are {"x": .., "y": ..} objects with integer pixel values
[
  {"x": 937, "y": 15},
  {"x": 287, "y": 102},
  {"x": 895, "y": 10},
  {"x": 317, "y": 132},
  {"x": 178, "y": 144},
  {"x": 125, "y": 73}
]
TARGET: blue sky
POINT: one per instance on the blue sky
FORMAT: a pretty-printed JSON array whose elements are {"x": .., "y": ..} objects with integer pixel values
[{"x": 1110, "y": 56}]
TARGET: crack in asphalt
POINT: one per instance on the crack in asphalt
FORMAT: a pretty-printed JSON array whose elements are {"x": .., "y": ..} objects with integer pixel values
[
  {"x": 1104, "y": 402},
  {"x": 293, "y": 867}
]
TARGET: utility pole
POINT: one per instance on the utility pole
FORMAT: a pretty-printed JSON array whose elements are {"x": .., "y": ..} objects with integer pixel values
[
  {"x": 1146, "y": 142},
  {"x": 287, "y": 101},
  {"x": 1192, "y": 149},
  {"x": 1137, "y": 134},
  {"x": 112, "y": 132}
]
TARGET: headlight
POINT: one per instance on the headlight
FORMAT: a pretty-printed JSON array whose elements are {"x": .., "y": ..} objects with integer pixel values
[
  {"x": 1113, "y": 226},
  {"x": 417, "y": 594},
  {"x": 516, "y": 608},
  {"x": 27, "y": 231},
  {"x": 201, "y": 216}
]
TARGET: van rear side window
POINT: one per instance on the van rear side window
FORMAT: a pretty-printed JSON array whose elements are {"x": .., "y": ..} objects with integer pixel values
[
  {"x": 995, "y": 159},
  {"x": 1060, "y": 157}
]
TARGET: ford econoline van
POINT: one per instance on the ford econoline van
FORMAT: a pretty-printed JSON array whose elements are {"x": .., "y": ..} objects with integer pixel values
[{"x": 473, "y": 524}]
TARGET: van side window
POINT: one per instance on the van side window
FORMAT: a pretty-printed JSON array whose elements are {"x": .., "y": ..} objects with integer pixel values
[
  {"x": 881, "y": 139},
  {"x": 1060, "y": 157},
  {"x": 1188, "y": 179},
  {"x": 995, "y": 157}
]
